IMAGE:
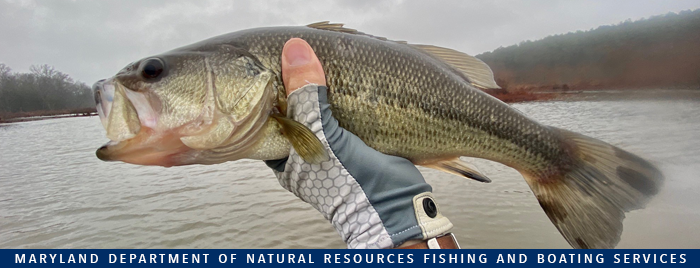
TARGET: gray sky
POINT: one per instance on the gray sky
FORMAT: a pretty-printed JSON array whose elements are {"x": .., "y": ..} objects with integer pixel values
[{"x": 91, "y": 40}]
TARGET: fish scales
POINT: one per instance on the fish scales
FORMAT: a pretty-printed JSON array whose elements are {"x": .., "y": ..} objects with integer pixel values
[
  {"x": 374, "y": 85},
  {"x": 221, "y": 99}
]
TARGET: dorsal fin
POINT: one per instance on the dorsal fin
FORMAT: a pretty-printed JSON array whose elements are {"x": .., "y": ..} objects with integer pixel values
[
  {"x": 336, "y": 27},
  {"x": 479, "y": 74},
  {"x": 339, "y": 27}
]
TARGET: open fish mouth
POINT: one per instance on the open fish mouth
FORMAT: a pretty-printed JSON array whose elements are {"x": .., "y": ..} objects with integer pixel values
[
  {"x": 104, "y": 96},
  {"x": 131, "y": 126}
]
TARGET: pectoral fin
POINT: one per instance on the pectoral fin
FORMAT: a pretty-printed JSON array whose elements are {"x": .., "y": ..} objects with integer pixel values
[
  {"x": 458, "y": 167},
  {"x": 307, "y": 145}
]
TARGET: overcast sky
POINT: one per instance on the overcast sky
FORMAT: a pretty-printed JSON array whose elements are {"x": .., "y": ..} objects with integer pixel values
[{"x": 91, "y": 40}]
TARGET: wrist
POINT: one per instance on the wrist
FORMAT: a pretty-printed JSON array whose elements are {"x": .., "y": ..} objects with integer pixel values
[
  {"x": 410, "y": 243},
  {"x": 447, "y": 241}
]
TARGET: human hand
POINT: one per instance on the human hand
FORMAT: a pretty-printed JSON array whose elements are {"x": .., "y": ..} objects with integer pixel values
[{"x": 372, "y": 199}]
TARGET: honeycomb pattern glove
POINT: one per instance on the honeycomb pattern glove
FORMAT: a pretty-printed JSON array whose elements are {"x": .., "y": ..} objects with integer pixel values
[{"x": 373, "y": 200}]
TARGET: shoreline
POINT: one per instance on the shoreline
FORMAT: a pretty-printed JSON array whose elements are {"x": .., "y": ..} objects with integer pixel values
[
  {"x": 515, "y": 96},
  {"x": 41, "y": 115}
]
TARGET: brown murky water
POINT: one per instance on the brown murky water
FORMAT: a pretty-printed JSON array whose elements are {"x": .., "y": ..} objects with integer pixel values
[{"x": 54, "y": 192}]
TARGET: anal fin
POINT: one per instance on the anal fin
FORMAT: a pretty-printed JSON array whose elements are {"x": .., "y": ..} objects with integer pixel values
[{"x": 459, "y": 168}]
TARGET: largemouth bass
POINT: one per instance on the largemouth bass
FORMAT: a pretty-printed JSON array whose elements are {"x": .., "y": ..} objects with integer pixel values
[{"x": 223, "y": 99}]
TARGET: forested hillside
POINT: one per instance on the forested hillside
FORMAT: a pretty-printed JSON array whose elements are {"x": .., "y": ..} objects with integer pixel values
[
  {"x": 657, "y": 52},
  {"x": 43, "y": 91}
]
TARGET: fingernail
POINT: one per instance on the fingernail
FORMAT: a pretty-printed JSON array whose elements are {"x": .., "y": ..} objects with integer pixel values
[{"x": 297, "y": 53}]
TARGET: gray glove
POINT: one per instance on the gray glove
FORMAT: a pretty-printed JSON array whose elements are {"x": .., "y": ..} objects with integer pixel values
[{"x": 373, "y": 200}]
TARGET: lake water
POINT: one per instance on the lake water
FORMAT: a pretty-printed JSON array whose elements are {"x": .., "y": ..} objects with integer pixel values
[{"x": 54, "y": 192}]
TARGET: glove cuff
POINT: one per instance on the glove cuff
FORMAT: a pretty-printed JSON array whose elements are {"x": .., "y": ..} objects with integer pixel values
[{"x": 432, "y": 223}]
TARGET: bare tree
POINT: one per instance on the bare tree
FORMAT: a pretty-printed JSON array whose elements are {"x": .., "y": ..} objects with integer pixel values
[{"x": 43, "y": 89}]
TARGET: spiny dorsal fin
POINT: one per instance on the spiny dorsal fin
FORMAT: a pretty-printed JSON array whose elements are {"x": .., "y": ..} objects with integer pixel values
[
  {"x": 336, "y": 27},
  {"x": 339, "y": 27},
  {"x": 478, "y": 73},
  {"x": 459, "y": 168}
]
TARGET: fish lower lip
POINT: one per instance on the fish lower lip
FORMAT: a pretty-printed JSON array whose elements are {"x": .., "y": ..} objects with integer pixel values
[
  {"x": 102, "y": 153},
  {"x": 145, "y": 149}
]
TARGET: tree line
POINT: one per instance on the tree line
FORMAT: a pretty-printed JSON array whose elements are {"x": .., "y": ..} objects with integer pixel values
[
  {"x": 660, "y": 51},
  {"x": 42, "y": 89}
]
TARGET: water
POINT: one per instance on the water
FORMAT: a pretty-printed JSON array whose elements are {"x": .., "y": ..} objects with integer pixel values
[{"x": 54, "y": 192}]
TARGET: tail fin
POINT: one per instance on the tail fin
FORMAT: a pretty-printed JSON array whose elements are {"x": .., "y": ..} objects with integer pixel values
[{"x": 588, "y": 203}]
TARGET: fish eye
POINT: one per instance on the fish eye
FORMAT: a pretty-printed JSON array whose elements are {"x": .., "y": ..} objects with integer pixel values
[{"x": 152, "y": 68}]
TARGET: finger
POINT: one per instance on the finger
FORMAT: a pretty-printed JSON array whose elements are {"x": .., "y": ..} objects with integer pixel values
[{"x": 300, "y": 66}]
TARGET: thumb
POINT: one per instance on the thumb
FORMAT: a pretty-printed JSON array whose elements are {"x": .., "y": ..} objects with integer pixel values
[{"x": 300, "y": 66}]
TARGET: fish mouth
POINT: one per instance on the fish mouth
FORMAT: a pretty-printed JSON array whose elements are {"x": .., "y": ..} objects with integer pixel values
[
  {"x": 146, "y": 149},
  {"x": 142, "y": 132},
  {"x": 104, "y": 96},
  {"x": 131, "y": 127}
]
